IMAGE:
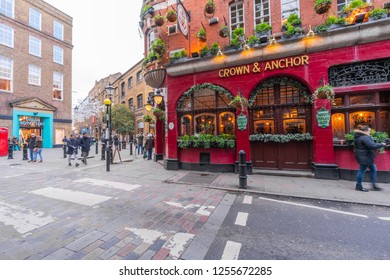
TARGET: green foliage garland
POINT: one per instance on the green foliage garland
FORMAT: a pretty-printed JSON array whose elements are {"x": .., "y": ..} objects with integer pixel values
[
  {"x": 280, "y": 138},
  {"x": 207, "y": 141}
]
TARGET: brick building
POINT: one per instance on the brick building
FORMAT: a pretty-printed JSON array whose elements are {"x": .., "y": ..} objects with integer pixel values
[
  {"x": 279, "y": 122},
  {"x": 35, "y": 70}
]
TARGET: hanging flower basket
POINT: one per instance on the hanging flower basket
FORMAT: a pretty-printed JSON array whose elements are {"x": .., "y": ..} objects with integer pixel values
[
  {"x": 171, "y": 16},
  {"x": 147, "y": 118},
  {"x": 158, "y": 113},
  {"x": 159, "y": 20},
  {"x": 209, "y": 8},
  {"x": 324, "y": 92},
  {"x": 239, "y": 102},
  {"x": 322, "y": 8},
  {"x": 224, "y": 31}
]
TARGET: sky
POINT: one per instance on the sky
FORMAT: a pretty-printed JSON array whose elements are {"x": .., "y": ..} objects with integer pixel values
[{"x": 106, "y": 39}]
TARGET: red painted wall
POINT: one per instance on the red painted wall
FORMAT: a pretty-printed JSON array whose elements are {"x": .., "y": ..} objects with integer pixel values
[
  {"x": 345, "y": 159},
  {"x": 217, "y": 156}
]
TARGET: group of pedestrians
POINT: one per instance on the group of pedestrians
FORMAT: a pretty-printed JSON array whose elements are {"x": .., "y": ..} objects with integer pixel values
[
  {"x": 35, "y": 147},
  {"x": 73, "y": 144},
  {"x": 145, "y": 145}
]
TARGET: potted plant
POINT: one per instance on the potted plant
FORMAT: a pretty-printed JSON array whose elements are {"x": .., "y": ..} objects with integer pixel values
[
  {"x": 214, "y": 48},
  {"x": 158, "y": 113},
  {"x": 209, "y": 8},
  {"x": 324, "y": 92},
  {"x": 158, "y": 46},
  {"x": 201, "y": 35},
  {"x": 147, "y": 118},
  {"x": 321, "y": 28},
  {"x": 239, "y": 34},
  {"x": 171, "y": 16},
  {"x": 252, "y": 41},
  {"x": 334, "y": 22},
  {"x": 234, "y": 44},
  {"x": 262, "y": 29},
  {"x": 159, "y": 20},
  {"x": 178, "y": 56},
  {"x": 204, "y": 51},
  {"x": 293, "y": 20},
  {"x": 378, "y": 13},
  {"x": 322, "y": 6},
  {"x": 291, "y": 32},
  {"x": 239, "y": 102},
  {"x": 224, "y": 31},
  {"x": 147, "y": 10}
]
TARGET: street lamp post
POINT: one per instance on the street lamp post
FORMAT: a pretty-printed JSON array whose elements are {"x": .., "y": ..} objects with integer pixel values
[{"x": 110, "y": 92}]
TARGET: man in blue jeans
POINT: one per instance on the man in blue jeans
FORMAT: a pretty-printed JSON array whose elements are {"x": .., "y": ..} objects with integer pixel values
[{"x": 364, "y": 152}]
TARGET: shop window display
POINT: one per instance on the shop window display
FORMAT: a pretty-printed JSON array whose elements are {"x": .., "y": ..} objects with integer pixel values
[{"x": 362, "y": 118}]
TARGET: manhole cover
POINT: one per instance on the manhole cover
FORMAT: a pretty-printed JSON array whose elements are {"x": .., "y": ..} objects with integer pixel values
[{"x": 199, "y": 178}]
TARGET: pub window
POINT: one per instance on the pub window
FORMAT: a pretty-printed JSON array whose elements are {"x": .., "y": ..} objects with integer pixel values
[
  {"x": 338, "y": 126},
  {"x": 361, "y": 99},
  {"x": 338, "y": 101},
  {"x": 236, "y": 16},
  {"x": 261, "y": 11},
  {"x": 384, "y": 124},
  {"x": 384, "y": 97},
  {"x": 289, "y": 7},
  {"x": 206, "y": 111},
  {"x": 362, "y": 118}
]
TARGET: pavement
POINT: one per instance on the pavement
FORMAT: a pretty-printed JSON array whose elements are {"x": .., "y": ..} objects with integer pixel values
[{"x": 138, "y": 170}]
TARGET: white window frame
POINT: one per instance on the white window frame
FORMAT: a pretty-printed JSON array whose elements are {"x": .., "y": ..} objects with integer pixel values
[
  {"x": 286, "y": 11},
  {"x": 263, "y": 16},
  {"x": 345, "y": 3},
  {"x": 35, "y": 19},
  {"x": 58, "y": 30},
  {"x": 35, "y": 46},
  {"x": 170, "y": 31},
  {"x": 6, "y": 35},
  {"x": 6, "y": 71},
  {"x": 34, "y": 75},
  {"x": 151, "y": 39},
  {"x": 7, "y": 8},
  {"x": 139, "y": 74},
  {"x": 58, "y": 55},
  {"x": 58, "y": 84},
  {"x": 238, "y": 23}
]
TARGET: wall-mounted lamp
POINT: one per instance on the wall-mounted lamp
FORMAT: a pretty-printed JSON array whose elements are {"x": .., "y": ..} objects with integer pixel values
[
  {"x": 273, "y": 40},
  {"x": 219, "y": 53},
  {"x": 35, "y": 113},
  {"x": 148, "y": 106},
  {"x": 246, "y": 47},
  {"x": 158, "y": 98},
  {"x": 310, "y": 33}
]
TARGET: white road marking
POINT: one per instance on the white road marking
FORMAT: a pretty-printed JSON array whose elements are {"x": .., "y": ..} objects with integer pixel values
[
  {"x": 241, "y": 219},
  {"x": 231, "y": 251},
  {"x": 23, "y": 219},
  {"x": 178, "y": 243},
  {"x": 204, "y": 210},
  {"x": 13, "y": 176},
  {"x": 314, "y": 207},
  {"x": 108, "y": 184},
  {"x": 148, "y": 235},
  {"x": 384, "y": 218},
  {"x": 248, "y": 199},
  {"x": 179, "y": 205},
  {"x": 83, "y": 198}
]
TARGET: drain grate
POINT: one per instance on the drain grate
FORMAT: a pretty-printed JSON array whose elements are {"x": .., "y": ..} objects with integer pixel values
[
  {"x": 199, "y": 178},
  {"x": 14, "y": 164}
]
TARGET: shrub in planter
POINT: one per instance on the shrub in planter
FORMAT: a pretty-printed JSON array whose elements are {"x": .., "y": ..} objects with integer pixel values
[
  {"x": 333, "y": 21},
  {"x": 294, "y": 20},
  {"x": 214, "y": 48},
  {"x": 159, "y": 20},
  {"x": 252, "y": 41},
  {"x": 204, "y": 51},
  {"x": 171, "y": 16},
  {"x": 378, "y": 13},
  {"x": 322, "y": 6},
  {"x": 201, "y": 35},
  {"x": 322, "y": 28},
  {"x": 291, "y": 31},
  {"x": 234, "y": 44},
  {"x": 158, "y": 46},
  {"x": 178, "y": 56},
  {"x": 239, "y": 34},
  {"x": 262, "y": 29},
  {"x": 209, "y": 8},
  {"x": 224, "y": 31}
]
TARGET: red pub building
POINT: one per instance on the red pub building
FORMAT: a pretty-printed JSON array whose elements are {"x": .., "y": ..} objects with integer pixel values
[{"x": 280, "y": 120}]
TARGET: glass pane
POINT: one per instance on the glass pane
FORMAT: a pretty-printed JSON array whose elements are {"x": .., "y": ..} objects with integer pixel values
[
  {"x": 226, "y": 123},
  {"x": 338, "y": 126},
  {"x": 204, "y": 99},
  {"x": 186, "y": 125},
  {"x": 294, "y": 126},
  {"x": 205, "y": 124},
  {"x": 362, "y": 118},
  {"x": 384, "y": 121},
  {"x": 264, "y": 127},
  {"x": 384, "y": 97},
  {"x": 361, "y": 99},
  {"x": 339, "y": 101}
]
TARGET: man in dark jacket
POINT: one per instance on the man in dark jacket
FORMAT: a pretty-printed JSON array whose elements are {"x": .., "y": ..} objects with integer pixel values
[
  {"x": 85, "y": 144},
  {"x": 31, "y": 145},
  {"x": 72, "y": 147},
  {"x": 364, "y": 152},
  {"x": 149, "y": 145}
]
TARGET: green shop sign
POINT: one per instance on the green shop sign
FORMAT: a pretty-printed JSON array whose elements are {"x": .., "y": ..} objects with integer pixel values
[
  {"x": 242, "y": 121},
  {"x": 323, "y": 117}
]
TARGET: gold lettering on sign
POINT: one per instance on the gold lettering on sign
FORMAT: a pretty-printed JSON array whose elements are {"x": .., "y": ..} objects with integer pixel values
[{"x": 229, "y": 72}]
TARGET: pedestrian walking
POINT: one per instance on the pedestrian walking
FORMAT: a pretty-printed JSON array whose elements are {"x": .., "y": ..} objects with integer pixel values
[
  {"x": 140, "y": 141},
  {"x": 38, "y": 149},
  {"x": 149, "y": 145},
  {"x": 15, "y": 144},
  {"x": 31, "y": 145},
  {"x": 85, "y": 144},
  {"x": 71, "y": 149},
  {"x": 365, "y": 154}
]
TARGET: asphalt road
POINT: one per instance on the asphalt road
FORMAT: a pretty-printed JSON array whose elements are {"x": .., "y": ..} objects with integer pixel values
[{"x": 265, "y": 228}]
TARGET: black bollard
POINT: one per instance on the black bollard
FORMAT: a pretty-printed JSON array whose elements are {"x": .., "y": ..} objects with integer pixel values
[
  {"x": 97, "y": 146},
  {"x": 103, "y": 150},
  {"x": 64, "y": 147},
  {"x": 242, "y": 169},
  {"x": 10, "y": 150},
  {"x": 25, "y": 151},
  {"x": 124, "y": 145},
  {"x": 131, "y": 148}
]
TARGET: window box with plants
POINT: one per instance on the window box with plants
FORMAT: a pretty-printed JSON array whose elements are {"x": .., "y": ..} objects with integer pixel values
[
  {"x": 201, "y": 35},
  {"x": 179, "y": 56},
  {"x": 205, "y": 51},
  {"x": 171, "y": 16},
  {"x": 334, "y": 22},
  {"x": 280, "y": 138},
  {"x": 252, "y": 41},
  {"x": 214, "y": 48},
  {"x": 209, "y": 8},
  {"x": 378, "y": 13},
  {"x": 293, "y": 20},
  {"x": 322, "y": 6},
  {"x": 207, "y": 141},
  {"x": 263, "y": 29},
  {"x": 292, "y": 32}
]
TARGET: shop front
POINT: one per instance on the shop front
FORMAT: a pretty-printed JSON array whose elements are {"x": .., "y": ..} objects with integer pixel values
[{"x": 285, "y": 128}]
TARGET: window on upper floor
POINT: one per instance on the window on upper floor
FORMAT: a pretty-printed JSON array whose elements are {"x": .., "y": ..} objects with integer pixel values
[
  {"x": 139, "y": 76},
  {"x": 130, "y": 82},
  {"x": 34, "y": 46},
  {"x": 123, "y": 92},
  {"x": 289, "y": 7},
  {"x": 151, "y": 37},
  {"x": 6, "y": 73},
  {"x": 58, "y": 55},
  {"x": 140, "y": 102},
  {"x": 35, "y": 19},
  {"x": 34, "y": 75},
  {"x": 7, "y": 8},
  {"x": 6, "y": 36},
  {"x": 262, "y": 11},
  {"x": 236, "y": 15},
  {"x": 131, "y": 103},
  {"x": 58, "y": 30},
  {"x": 342, "y": 3},
  {"x": 58, "y": 86}
]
